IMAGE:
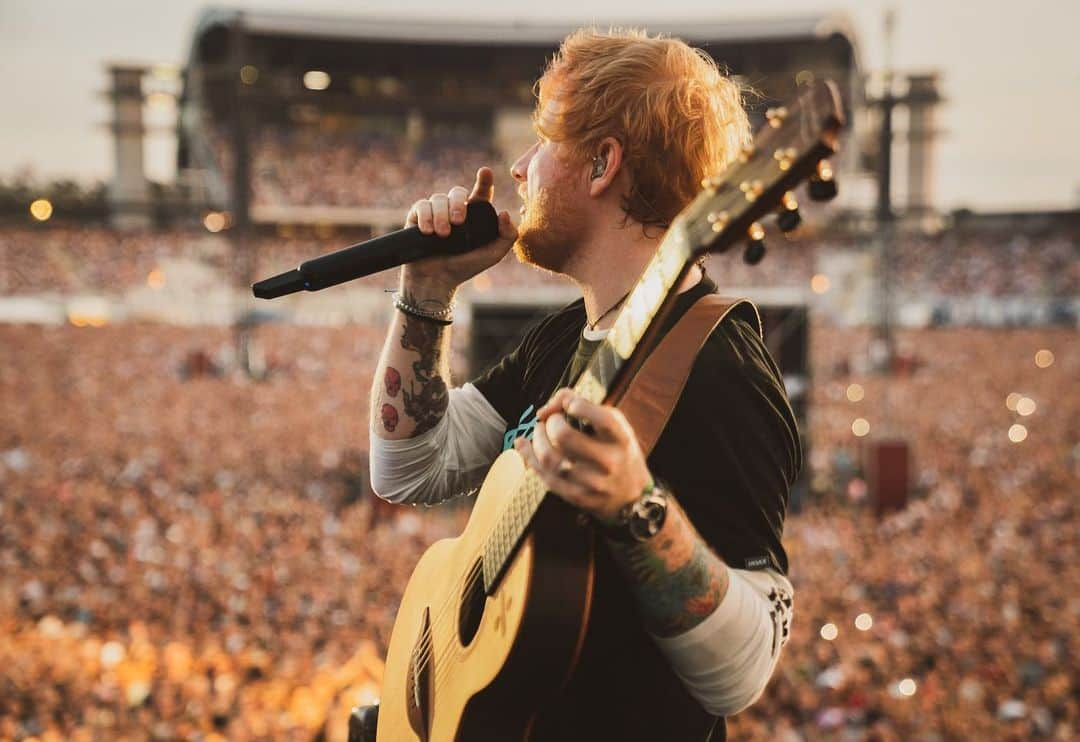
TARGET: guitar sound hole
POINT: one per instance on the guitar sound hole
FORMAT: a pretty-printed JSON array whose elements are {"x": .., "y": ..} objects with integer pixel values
[{"x": 472, "y": 608}]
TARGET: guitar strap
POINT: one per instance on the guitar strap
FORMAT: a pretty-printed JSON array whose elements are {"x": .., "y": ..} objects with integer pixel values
[{"x": 652, "y": 394}]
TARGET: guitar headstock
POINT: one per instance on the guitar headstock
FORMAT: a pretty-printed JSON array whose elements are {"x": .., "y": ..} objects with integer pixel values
[{"x": 791, "y": 148}]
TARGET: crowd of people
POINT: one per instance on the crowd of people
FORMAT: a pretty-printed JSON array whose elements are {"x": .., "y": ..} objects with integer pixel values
[
  {"x": 955, "y": 617},
  {"x": 187, "y": 553},
  {"x": 331, "y": 167},
  {"x": 76, "y": 258}
]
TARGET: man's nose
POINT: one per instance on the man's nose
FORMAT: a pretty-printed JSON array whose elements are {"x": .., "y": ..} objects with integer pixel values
[{"x": 519, "y": 168}]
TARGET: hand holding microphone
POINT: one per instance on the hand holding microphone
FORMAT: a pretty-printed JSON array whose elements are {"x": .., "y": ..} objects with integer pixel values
[
  {"x": 437, "y": 215},
  {"x": 447, "y": 239}
]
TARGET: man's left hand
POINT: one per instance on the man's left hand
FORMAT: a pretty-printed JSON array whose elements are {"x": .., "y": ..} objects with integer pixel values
[{"x": 598, "y": 472}]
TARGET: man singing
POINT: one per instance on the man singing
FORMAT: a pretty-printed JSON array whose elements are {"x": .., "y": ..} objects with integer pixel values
[{"x": 687, "y": 623}]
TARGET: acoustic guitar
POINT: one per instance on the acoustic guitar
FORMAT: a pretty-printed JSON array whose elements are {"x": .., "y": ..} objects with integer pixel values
[{"x": 491, "y": 623}]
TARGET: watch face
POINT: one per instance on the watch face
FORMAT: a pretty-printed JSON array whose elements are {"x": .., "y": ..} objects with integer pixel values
[{"x": 648, "y": 517}]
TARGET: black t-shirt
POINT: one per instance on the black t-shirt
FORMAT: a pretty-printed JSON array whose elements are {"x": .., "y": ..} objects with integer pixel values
[{"x": 729, "y": 454}]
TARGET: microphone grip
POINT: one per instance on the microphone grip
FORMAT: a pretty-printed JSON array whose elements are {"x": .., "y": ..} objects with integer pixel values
[{"x": 480, "y": 227}]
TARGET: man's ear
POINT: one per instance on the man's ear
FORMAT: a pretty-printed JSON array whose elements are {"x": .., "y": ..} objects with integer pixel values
[{"x": 605, "y": 166}]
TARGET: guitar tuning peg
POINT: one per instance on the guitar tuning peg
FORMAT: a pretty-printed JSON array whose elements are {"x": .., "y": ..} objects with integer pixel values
[
  {"x": 755, "y": 248},
  {"x": 823, "y": 185},
  {"x": 789, "y": 217}
]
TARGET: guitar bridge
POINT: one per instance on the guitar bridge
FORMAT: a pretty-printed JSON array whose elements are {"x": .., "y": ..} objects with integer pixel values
[{"x": 419, "y": 682}]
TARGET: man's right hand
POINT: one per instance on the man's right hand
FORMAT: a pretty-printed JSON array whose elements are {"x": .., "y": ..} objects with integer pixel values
[{"x": 434, "y": 215}]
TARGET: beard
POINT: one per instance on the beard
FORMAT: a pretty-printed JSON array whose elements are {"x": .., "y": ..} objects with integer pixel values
[{"x": 550, "y": 230}]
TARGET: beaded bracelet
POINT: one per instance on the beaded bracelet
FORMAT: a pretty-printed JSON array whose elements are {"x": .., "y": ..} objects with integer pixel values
[{"x": 438, "y": 316}]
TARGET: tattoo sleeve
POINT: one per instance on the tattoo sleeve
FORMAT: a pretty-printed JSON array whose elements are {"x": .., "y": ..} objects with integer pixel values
[
  {"x": 676, "y": 578},
  {"x": 410, "y": 393}
]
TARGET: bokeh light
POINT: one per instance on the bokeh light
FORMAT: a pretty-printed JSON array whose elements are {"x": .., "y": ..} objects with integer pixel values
[
  {"x": 249, "y": 74},
  {"x": 860, "y": 427},
  {"x": 906, "y": 687},
  {"x": 160, "y": 99},
  {"x": 1012, "y": 400},
  {"x": 482, "y": 282},
  {"x": 1025, "y": 406},
  {"x": 864, "y": 622},
  {"x": 1044, "y": 358},
  {"x": 112, "y": 653},
  {"x": 316, "y": 80},
  {"x": 855, "y": 392},
  {"x": 214, "y": 221},
  {"x": 819, "y": 284},
  {"x": 1017, "y": 433},
  {"x": 41, "y": 209},
  {"x": 829, "y": 632}
]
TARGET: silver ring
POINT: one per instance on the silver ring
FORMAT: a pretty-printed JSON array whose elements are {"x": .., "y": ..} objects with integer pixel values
[{"x": 565, "y": 467}]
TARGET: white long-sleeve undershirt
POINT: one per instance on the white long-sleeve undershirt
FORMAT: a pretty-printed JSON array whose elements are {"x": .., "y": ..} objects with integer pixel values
[{"x": 724, "y": 662}]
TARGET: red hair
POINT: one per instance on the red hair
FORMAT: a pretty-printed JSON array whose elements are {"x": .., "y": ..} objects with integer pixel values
[{"x": 676, "y": 115}]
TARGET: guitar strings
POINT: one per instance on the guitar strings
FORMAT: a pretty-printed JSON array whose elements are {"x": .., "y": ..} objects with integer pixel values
[{"x": 423, "y": 650}]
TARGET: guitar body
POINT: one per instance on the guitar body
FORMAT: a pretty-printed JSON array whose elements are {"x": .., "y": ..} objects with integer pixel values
[{"x": 463, "y": 665}]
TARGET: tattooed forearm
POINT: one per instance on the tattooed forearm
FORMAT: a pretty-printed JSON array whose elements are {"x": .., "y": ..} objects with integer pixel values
[
  {"x": 677, "y": 580},
  {"x": 426, "y": 397},
  {"x": 410, "y": 394}
]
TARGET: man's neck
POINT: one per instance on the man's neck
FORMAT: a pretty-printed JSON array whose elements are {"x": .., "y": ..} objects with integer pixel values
[{"x": 610, "y": 266}]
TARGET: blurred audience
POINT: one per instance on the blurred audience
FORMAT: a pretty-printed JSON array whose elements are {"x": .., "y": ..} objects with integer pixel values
[
  {"x": 316, "y": 167},
  {"x": 71, "y": 259},
  {"x": 189, "y": 554}
]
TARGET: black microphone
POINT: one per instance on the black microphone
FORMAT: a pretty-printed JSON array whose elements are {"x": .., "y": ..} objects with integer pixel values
[{"x": 481, "y": 226}]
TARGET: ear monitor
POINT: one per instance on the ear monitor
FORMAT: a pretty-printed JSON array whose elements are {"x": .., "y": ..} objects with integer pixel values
[{"x": 599, "y": 165}]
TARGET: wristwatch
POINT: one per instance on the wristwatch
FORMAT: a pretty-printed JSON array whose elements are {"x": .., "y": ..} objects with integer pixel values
[{"x": 640, "y": 520}]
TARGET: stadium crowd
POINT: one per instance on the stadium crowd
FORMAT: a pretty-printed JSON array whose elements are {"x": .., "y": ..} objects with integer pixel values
[
  {"x": 189, "y": 554},
  {"x": 969, "y": 595},
  {"x": 78, "y": 258},
  {"x": 332, "y": 167}
]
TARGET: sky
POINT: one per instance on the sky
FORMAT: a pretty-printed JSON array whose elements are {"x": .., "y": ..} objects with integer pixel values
[{"x": 1010, "y": 74}]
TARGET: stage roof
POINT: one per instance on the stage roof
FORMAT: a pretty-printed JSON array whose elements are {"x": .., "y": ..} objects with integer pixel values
[{"x": 699, "y": 29}]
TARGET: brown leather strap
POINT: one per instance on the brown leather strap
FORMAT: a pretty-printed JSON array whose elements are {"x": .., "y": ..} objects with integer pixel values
[{"x": 651, "y": 397}]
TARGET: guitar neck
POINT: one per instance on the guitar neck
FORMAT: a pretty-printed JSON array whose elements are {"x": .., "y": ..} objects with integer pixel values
[{"x": 605, "y": 379}]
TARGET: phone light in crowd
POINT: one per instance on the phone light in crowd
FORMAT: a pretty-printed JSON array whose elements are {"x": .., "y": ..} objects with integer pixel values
[
  {"x": 1044, "y": 358},
  {"x": 1017, "y": 433},
  {"x": 906, "y": 687},
  {"x": 112, "y": 653},
  {"x": 819, "y": 284},
  {"x": 215, "y": 221},
  {"x": 1025, "y": 406},
  {"x": 860, "y": 427},
  {"x": 864, "y": 621},
  {"x": 41, "y": 209},
  {"x": 87, "y": 319},
  {"x": 829, "y": 632},
  {"x": 855, "y": 393},
  {"x": 316, "y": 80},
  {"x": 156, "y": 279},
  {"x": 249, "y": 74},
  {"x": 1012, "y": 400}
]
